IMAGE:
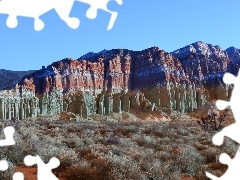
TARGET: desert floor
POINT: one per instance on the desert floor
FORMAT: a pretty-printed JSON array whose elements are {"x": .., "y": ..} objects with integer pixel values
[{"x": 120, "y": 146}]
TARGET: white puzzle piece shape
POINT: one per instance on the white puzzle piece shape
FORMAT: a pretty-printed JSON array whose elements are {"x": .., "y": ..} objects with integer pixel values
[
  {"x": 102, "y": 5},
  {"x": 3, "y": 165},
  {"x": 232, "y": 172},
  {"x": 36, "y": 8},
  {"x": 18, "y": 176},
  {"x": 8, "y": 141},
  {"x": 44, "y": 171},
  {"x": 232, "y": 131}
]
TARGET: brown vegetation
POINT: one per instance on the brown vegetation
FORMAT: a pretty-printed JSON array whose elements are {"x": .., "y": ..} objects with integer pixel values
[{"x": 132, "y": 148}]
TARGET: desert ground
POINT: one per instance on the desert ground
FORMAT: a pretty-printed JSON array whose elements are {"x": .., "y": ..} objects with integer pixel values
[{"x": 133, "y": 145}]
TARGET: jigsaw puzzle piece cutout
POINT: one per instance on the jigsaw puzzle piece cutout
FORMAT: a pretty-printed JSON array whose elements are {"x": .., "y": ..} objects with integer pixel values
[
  {"x": 8, "y": 132},
  {"x": 3, "y": 165},
  {"x": 233, "y": 172},
  {"x": 221, "y": 104},
  {"x": 229, "y": 78},
  {"x": 36, "y": 8},
  {"x": 95, "y": 5},
  {"x": 63, "y": 9},
  {"x": 44, "y": 170},
  {"x": 231, "y": 131},
  {"x": 25, "y": 8},
  {"x": 8, "y": 141},
  {"x": 18, "y": 176}
]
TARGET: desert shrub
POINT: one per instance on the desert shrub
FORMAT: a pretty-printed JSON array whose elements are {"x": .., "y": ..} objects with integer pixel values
[
  {"x": 67, "y": 158},
  {"x": 123, "y": 167},
  {"x": 210, "y": 154},
  {"x": 230, "y": 147},
  {"x": 98, "y": 169},
  {"x": 189, "y": 159},
  {"x": 217, "y": 166},
  {"x": 164, "y": 141},
  {"x": 200, "y": 173},
  {"x": 163, "y": 156},
  {"x": 117, "y": 151},
  {"x": 17, "y": 152},
  {"x": 212, "y": 123},
  {"x": 112, "y": 139},
  {"x": 199, "y": 146},
  {"x": 145, "y": 140}
]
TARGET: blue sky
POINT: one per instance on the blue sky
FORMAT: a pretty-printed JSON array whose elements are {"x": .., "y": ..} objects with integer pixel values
[{"x": 168, "y": 24}]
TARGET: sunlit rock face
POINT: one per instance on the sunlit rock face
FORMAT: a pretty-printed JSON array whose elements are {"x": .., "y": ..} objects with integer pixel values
[
  {"x": 120, "y": 80},
  {"x": 113, "y": 70},
  {"x": 203, "y": 62}
]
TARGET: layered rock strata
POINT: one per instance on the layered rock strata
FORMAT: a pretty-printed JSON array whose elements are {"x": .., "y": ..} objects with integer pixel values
[
  {"x": 113, "y": 71},
  {"x": 120, "y": 80}
]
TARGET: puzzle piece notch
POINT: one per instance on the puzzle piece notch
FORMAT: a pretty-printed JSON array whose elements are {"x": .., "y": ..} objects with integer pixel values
[
  {"x": 18, "y": 176},
  {"x": 8, "y": 132},
  {"x": 8, "y": 141},
  {"x": 230, "y": 131},
  {"x": 44, "y": 170},
  {"x": 3, "y": 165},
  {"x": 36, "y": 8},
  {"x": 233, "y": 172},
  {"x": 101, "y": 4}
]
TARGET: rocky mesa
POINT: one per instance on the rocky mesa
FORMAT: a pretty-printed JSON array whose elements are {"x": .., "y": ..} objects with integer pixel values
[{"x": 120, "y": 79}]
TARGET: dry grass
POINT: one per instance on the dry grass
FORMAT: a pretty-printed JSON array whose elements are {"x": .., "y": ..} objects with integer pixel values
[{"x": 122, "y": 149}]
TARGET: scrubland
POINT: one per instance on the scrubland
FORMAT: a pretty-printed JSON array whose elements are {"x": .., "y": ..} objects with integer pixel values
[{"x": 118, "y": 147}]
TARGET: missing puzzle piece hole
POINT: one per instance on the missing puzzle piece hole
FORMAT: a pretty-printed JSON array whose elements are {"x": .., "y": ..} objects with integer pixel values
[
  {"x": 29, "y": 160},
  {"x": 218, "y": 139},
  {"x": 112, "y": 20},
  {"x": 8, "y": 132},
  {"x": 91, "y": 13},
  {"x": 12, "y": 21},
  {"x": 54, "y": 162},
  {"x": 38, "y": 24},
  {"x": 18, "y": 176},
  {"x": 221, "y": 105},
  {"x": 3, "y": 165},
  {"x": 73, "y": 22},
  {"x": 229, "y": 78},
  {"x": 224, "y": 158}
]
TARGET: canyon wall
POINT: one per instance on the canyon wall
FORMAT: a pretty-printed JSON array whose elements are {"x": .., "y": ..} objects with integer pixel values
[{"x": 120, "y": 79}]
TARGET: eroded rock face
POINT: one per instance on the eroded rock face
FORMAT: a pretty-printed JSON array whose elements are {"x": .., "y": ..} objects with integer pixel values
[
  {"x": 203, "y": 63},
  {"x": 154, "y": 67},
  {"x": 116, "y": 70},
  {"x": 121, "y": 80},
  {"x": 171, "y": 97}
]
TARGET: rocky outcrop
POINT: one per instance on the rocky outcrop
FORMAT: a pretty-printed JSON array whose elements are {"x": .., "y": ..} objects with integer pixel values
[
  {"x": 14, "y": 105},
  {"x": 170, "y": 97},
  {"x": 114, "y": 71},
  {"x": 120, "y": 80},
  {"x": 234, "y": 56},
  {"x": 118, "y": 70},
  {"x": 203, "y": 63}
]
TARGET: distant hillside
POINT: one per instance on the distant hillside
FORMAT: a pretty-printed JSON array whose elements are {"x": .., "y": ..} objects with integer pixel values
[{"x": 8, "y": 78}]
